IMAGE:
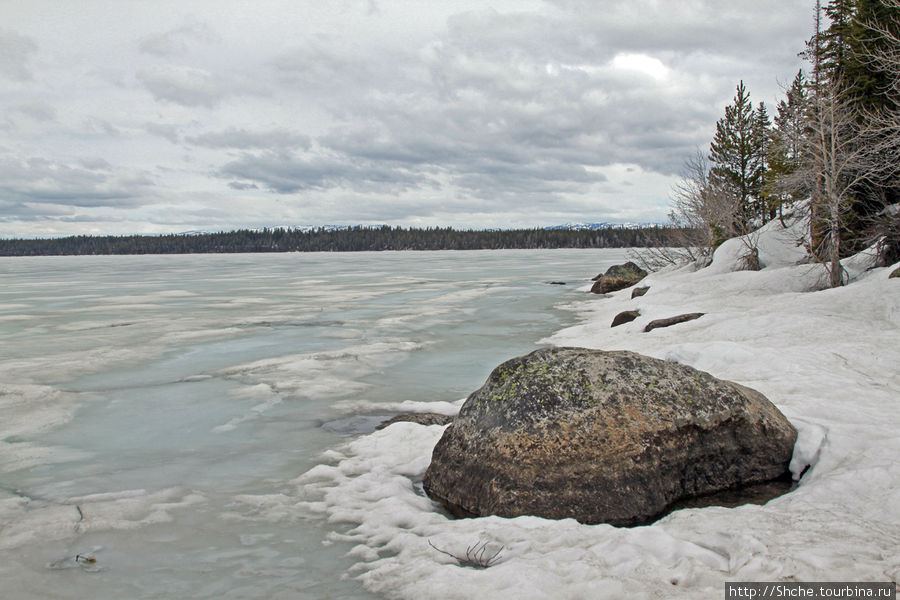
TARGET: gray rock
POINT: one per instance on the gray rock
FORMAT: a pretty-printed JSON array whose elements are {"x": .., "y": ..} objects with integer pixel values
[
  {"x": 671, "y": 321},
  {"x": 354, "y": 424},
  {"x": 603, "y": 437},
  {"x": 618, "y": 277},
  {"x": 626, "y": 316},
  {"x": 895, "y": 273},
  {"x": 427, "y": 418},
  {"x": 639, "y": 291}
]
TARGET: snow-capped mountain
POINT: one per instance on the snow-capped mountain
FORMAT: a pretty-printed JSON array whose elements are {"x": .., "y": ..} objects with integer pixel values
[{"x": 596, "y": 226}]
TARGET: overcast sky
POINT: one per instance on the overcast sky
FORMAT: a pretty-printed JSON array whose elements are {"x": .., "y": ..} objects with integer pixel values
[{"x": 130, "y": 116}]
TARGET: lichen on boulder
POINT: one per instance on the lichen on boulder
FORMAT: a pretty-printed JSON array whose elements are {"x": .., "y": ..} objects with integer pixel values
[
  {"x": 603, "y": 437},
  {"x": 618, "y": 277}
]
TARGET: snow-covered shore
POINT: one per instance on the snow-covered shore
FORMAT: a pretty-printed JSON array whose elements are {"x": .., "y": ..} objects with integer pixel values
[{"x": 828, "y": 359}]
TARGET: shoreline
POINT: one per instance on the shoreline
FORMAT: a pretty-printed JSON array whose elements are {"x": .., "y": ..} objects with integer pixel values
[{"x": 826, "y": 358}]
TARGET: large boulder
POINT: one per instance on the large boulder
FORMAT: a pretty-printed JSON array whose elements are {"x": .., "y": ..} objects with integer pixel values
[
  {"x": 603, "y": 437},
  {"x": 618, "y": 277}
]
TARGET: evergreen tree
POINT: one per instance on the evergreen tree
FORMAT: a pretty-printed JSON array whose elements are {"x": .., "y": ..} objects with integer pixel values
[
  {"x": 351, "y": 239},
  {"x": 836, "y": 45},
  {"x": 762, "y": 126},
  {"x": 847, "y": 50},
  {"x": 878, "y": 94},
  {"x": 737, "y": 165},
  {"x": 785, "y": 149},
  {"x": 848, "y": 47}
]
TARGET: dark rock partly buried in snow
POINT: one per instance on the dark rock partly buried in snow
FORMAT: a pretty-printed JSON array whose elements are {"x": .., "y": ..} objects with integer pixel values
[
  {"x": 896, "y": 273},
  {"x": 618, "y": 277},
  {"x": 603, "y": 437},
  {"x": 625, "y": 317},
  {"x": 639, "y": 291},
  {"x": 667, "y": 322},
  {"x": 426, "y": 418}
]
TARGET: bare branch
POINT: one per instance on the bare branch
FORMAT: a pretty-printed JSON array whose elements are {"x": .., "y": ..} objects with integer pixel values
[
  {"x": 847, "y": 151},
  {"x": 476, "y": 557},
  {"x": 706, "y": 211}
]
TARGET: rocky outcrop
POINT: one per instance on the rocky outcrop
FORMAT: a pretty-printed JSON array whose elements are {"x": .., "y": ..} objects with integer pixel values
[
  {"x": 639, "y": 291},
  {"x": 626, "y": 316},
  {"x": 895, "y": 273},
  {"x": 618, "y": 277},
  {"x": 656, "y": 323},
  {"x": 426, "y": 418},
  {"x": 603, "y": 437}
]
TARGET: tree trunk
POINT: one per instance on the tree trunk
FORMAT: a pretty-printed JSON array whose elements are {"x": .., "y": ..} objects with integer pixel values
[{"x": 836, "y": 271}]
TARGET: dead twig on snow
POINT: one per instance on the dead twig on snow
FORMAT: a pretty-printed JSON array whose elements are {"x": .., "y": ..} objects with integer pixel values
[{"x": 477, "y": 555}]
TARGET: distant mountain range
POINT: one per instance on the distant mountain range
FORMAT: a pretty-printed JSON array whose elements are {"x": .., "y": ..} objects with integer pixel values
[{"x": 596, "y": 226}]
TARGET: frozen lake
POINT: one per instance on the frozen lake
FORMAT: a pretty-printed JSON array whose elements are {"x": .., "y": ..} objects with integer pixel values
[{"x": 144, "y": 399}]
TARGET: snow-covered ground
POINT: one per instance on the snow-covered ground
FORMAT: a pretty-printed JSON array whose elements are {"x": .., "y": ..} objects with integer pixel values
[{"x": 828, "y": 358}]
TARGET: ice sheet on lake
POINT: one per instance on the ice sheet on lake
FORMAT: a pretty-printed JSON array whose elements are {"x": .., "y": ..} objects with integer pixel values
[
  {"x": 33, "y": 519},
  {"x": 157, "y": 409}
]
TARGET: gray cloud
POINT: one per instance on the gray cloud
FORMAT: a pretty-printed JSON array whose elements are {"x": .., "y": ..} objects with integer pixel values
[
  {"x": 286, "y": 173},
  {"x": 389, "y": 114},
  {"x": 331, "y": 64},
  {"x": 237, "y": 185},
  {"x": 90, "y": 184},
  {"x": 768, "y": 27},
  {"x": 512, "y": 102},
  {"x": 190, "y": 86},
  {"x": 166, "y": 131},
  {"x": 24, "y": 212},
  {"x": 16, "y": 51},
  {"x": 243, "y": 139},
  {"x": 176, "y": 42},
  {"x": 37, "y": 111},
  {"x": 95, "y": 164},
  {"x": 101, "y": 126}
]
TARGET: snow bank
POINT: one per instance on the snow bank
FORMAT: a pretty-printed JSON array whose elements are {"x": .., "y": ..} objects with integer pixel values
[{"x": 828, "y": 359}]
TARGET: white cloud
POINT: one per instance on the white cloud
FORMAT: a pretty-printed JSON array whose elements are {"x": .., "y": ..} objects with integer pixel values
[{"x": 648, "y": 65}]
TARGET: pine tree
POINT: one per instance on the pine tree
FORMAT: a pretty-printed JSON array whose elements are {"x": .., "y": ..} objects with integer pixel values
[
  {"x": 785, "y": 149},
  {"x": 837, "y": 41},
  {"x": 762, "y": 126},
  {"x": 849, "y": 63},
  {"x": 849, "y": 47},
  {"x": 737, "y": 164}
]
